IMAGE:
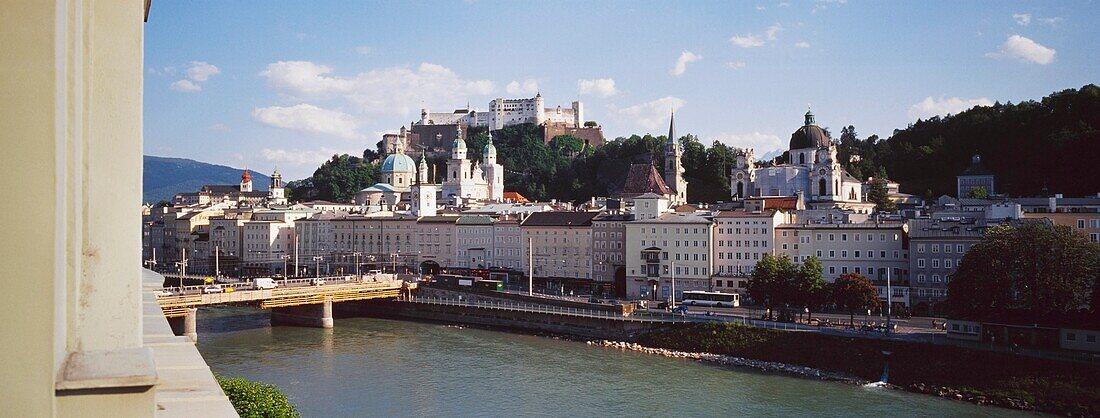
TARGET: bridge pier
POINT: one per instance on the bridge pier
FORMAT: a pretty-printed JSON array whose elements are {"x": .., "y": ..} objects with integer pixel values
[
  {"x": 317, "y": 316},
  {"x": 186, "y": 325}
]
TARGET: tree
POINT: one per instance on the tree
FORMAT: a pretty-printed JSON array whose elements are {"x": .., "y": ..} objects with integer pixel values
[
  {"x": 773, "y": 281},
  {"x": 590, "y": 124},
  {"x": 878, "y": 194},
  {"x": 341, "y": 177},
  {"x": 1037, "y": 267},
  {"x": 853, "y": 292},
  {"x": 255, "y": 399},
  {"x": 978, "y": 193},
  {"x": 811, "y": 289},
  {"x": 568, "y": 144}
]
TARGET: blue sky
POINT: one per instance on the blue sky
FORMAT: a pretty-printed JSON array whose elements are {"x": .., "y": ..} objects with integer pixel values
[{"x": 289, "y": 84}]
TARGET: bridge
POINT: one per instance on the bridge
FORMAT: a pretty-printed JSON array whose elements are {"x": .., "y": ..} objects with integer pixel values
[{"x": 293, "y": 302}]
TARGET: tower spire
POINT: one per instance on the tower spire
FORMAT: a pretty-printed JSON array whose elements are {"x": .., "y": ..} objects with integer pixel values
[{"x": 672, "y": 127}]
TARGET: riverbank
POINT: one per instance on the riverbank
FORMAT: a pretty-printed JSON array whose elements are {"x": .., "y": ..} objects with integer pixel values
[{"x": 980, "y": 377}]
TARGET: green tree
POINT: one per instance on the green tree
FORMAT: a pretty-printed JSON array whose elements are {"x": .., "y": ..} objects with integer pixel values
[
  {"x": 878, "y": 194},
  {"x": 341, "y": 177},
  {"x": 1037, "y": 267},
  {"x": 568, "y": 144},
  {"x": 773, "y": 281},
  {"x": 255, "y": 399},
  {"x": 978, "y": 193},
  {"x": 811, "y": 289},
  {"x": 590, "y": 124},
  {"x": 853, "y": 292}
]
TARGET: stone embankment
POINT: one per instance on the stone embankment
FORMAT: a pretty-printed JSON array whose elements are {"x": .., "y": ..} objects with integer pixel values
[
  {"x": 959, "y": 395},
  {"x": 731, "y": 361}
]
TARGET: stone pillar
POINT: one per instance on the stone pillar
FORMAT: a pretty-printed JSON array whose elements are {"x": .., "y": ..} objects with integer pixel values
[
  {"x": 317, "y": 315},
  {"x": 186, "y": 325}
]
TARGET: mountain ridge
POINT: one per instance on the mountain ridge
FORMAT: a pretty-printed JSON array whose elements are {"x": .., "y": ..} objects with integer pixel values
[{"x": 163, "y": 177}]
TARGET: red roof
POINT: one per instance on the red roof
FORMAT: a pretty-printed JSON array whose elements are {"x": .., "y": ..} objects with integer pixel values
[
  {"x": 246, "y": 176},
  {"x": 643, "y": 178},
  {"x": 514, "y": 197}
]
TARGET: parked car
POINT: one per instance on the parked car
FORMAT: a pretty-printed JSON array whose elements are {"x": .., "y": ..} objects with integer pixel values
[
  {"x": 163, "y": 293},
  {"x": 217, "y": 288},
  {"x": 317, "y": 282},
  {"x": 264, "y": 283}
]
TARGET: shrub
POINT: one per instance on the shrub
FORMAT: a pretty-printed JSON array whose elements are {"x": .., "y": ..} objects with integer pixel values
[{"x": 256, "y": 399}]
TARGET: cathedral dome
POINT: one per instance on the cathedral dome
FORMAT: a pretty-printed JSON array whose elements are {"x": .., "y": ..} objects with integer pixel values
[
  {"x": 489, "y": 149},
  {"x": 398, "y": 163},
  {"x": 458, "y": 144},
  {"x": 809, "y": 135}
]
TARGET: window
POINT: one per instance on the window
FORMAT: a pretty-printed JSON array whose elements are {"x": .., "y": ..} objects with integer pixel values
[
  {"x": 920, "y": 263},
  {"x": 920, "y": 248},
  {"x": 935, "y": 248},
  {"x": 1090, "y": 338},
  {"x": 935, "y": 278},
  {"x": 1081, "y": 224},
  {"x": 1071, "y": 336},
  {"x": 920, "y": 278},
  {"x": 959, "y": 248},
  {"x": 947, "y": 248},
  {"x": 935, "y": 263},
  {"x": 948, "y": 263}
]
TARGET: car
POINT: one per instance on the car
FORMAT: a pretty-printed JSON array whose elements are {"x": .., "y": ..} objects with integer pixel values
[
  {"x": 163, "y": 293},
  {"x": 317, "y": 282},
  {"x": 217, "y": 288}
]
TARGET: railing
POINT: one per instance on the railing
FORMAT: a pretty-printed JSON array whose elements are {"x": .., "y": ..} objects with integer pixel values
[
  {"x": 251, "y": 284},
  {"x": 535, "y": 308}
]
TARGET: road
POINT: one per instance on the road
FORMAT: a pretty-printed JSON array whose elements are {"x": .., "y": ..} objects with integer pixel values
[{"x": 921, "y": 324}]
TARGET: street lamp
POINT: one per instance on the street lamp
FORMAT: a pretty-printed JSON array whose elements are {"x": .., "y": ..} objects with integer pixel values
[
  {"x": 317, "y": 265},
  {"x": 357, "y": 255},
  {"x": 285, "y": 257}
]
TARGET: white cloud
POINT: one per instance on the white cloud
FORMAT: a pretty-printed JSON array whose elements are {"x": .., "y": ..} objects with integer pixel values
[
  {"x": 802, "y": 44},
  {"x": 529, "y": 86},
  {"x": 303, "y": 158},
  {"x": 1022, "y": 19},
  {"x": 201, "y": 71},
  {"x": 364, "y": 50},
  {"x": 747, "y": 41},
  {"x": 308, "y": 118},
  {"x": 220, "y": 127},
  {"x": 1024, "y": 49},
  {"x": 772, "y": 30},
  {"x": 599, "y": 87},
  {"x": 760, "y": 7},
  {"x": 761, "y": 143},
  {"x": 682, "y": 62},
  {"x": 735, "y": 65},
  {"x": 185, "y": 85},
  {"x": 944, "y": 106},
  {"x": 1052, "y": 21},
  {"x": 649, "y": 115},
  {"x": 784, "y": 4},
  {"x": 393, "y": 90}
]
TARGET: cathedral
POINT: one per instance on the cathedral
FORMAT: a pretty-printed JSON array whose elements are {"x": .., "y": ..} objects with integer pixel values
[
  {"x": 469, "y": 180},
  {"x": 811, "y": 170}
]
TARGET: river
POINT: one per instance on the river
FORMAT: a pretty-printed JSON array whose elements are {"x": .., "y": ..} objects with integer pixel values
[{"x": 375, "y": 367}]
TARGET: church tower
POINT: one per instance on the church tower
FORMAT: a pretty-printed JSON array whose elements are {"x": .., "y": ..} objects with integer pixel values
[
  {"x": 276, "y": 194},
  {"x": 743, "y": 175},
  {"x": 422, "y": 194},
  {"x": 494, "y": 173},
  {"x": 246, "y": 181},
  {"x": 674, "y": 170}
]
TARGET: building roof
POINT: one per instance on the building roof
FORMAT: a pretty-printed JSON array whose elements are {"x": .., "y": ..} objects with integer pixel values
[
  {"x": 777, "y": 202},
  {"x": 221, "y": 188},
  {"x": 438, "y": 219},
  {"x": 398, "y": 163},
  {"x": 976, "y": 168},
  {"x": 607, "y": 217},
  {"x": 560, "y": 219},
  {"x": 767, "y": 213},
  {"x": 514, "y": 197},
  {"x": 643, "y": 178},
  {"x": 474, "y": 220},
  {"x": 676, "y": 218},
  {"x": 809, "y": 135}
]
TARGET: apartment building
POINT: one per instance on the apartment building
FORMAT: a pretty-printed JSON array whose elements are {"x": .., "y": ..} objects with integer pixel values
[
  {"x": 507, "y": 243},
  {"x": 609, "y": 252},
  {"x": 474, "y": 241},
  {"x": 435, "y": 242},
  {"x": 671, "y": 251},
  {"x": 562, "y": 243},
  {"x": 741, "y": 238}
]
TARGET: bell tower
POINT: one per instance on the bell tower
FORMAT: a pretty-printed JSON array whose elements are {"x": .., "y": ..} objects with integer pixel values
[{"x": 674, "y": 170}]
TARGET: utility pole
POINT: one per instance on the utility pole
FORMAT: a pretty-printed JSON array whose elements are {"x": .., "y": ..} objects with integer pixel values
[
  {"x": 888, "y": 299},
  {"x": 357, "y": 255},
  {"x": 217, "y": 265},
  {"x": 673, "y": 274},
  {"x": 530, "y": 267},
  {"x": 285, "y": 257},
  {"x": 297, "y": 241},
  {"x": 183, "y": 266},
  {"x": 317, "y": 265}
]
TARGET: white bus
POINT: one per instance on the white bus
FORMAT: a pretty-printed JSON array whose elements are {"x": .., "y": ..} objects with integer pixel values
[{"x": 719, "y": 299}]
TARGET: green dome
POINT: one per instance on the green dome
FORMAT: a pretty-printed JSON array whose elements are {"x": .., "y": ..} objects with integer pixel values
[{"x": 398, "y": 163}]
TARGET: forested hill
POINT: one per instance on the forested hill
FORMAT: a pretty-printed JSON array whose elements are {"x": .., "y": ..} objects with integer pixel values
[
  {"x": 164, "y": 177},
  {"x": 1052, "y": 143},
  {"x": 1034, "y": 147}
]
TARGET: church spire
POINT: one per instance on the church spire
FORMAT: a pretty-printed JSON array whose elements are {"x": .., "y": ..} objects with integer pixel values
[{"x": 672, "y": 128}]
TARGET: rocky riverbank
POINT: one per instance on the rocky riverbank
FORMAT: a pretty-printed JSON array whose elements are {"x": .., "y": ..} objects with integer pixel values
[{"x": 731, "y": 361}]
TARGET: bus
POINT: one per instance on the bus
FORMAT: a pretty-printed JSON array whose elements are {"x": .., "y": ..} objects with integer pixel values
[{"x": 719, "y": 299}]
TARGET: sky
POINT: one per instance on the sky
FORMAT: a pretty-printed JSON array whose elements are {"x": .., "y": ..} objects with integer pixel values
[{"x": 289, "y": 84}]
